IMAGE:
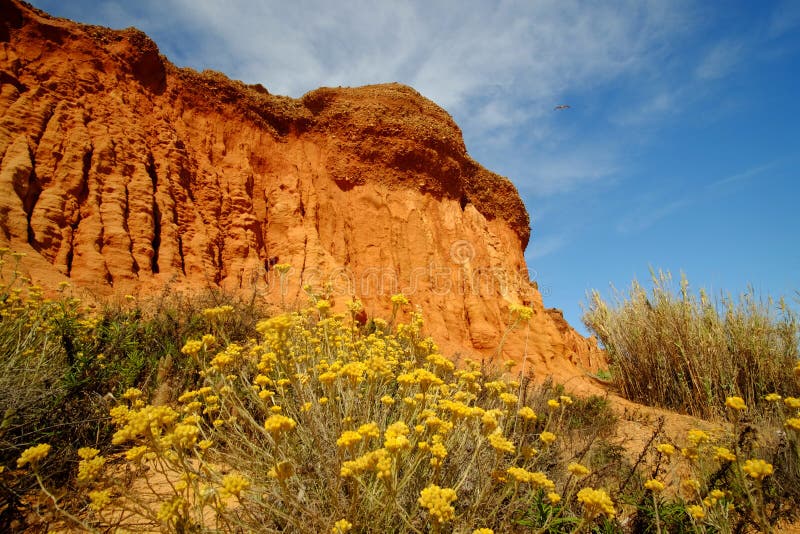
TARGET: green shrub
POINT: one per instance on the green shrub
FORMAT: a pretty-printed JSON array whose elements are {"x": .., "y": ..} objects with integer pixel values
[{"x": 688, "y": 352}]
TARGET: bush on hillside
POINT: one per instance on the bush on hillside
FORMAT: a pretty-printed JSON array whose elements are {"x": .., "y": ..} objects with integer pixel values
[{"x": 688, "y": 352}]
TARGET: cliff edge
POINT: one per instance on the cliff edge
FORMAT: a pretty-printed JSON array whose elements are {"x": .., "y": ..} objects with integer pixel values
[{"x": 123, "y": 173}]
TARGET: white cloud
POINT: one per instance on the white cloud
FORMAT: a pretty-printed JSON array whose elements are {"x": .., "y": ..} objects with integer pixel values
[
  {"x": 498, "y": 67},
  {"x": 720, "y": 60},
  {"x": 566, "y": 171},
  {"x": 643, "y": 215},
  {"x": 545, "y": 245},
  {"x": 741, "y": 177}
]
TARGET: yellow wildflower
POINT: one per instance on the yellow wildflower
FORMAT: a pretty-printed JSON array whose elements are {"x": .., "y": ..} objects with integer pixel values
[
  {"x": 735, "y": 403},
  {"x": 690, "y": 453},
  {"x": 793, "y": 423},
  {"x": 399, "y": 299},
  {"x": 578, "y": 470},
  {"x": 547, "y": 437},
  {"x": 87, "y": 453},
  {"x": 553, "y": 404},
  {"x": 654, "y": 485},
  {"x": 134, "y": 454},
  {"x": 509, "y": 399},
  {"x": 523, "y": 312},
  {"x": 192, "y": 347},
  {"x": 89, "y": 468},
  {"x": 132, "y": 394},
  {"x": 500, "y": 443},
  {"x": 33, "y": 455},
  {"x": 233, "y": 485},
  {"x": 723, "y": 454},
  {"x": 437, "y": 501},
  {"x": 386, "y": 400},
  {"x": 99, "y": 499},
  {"x": 596, "y": 503},
  {"x": 792, "y": 402},
  {"x": 438, "y": 453},
  {"x": 665, "y": 449},
  {"x": 697, "y": 436},
  {"x": 696, "y": 511},
  {"x": 170, "y": 509},
  {"x": 527, "y": 413},
  {"x": 278, "y": 424},
  {"x": 553, "y": 497},
  {"x": 369, "y": 430},
  {"x": 282, "y": 470},
  {"x": 396, "y": 438},
  {"x": 341, "y": 527},
  {"x": 519, "y": 474},
  {"x": 757, "y": 469},
  {"x": 348, "y": 439},
  {"x": 717, "y": 494},
  {"x": 772, "y": 397}
]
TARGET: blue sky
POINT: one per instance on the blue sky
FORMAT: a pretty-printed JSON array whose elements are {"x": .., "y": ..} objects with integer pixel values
[{"x": 680, "y": 151}]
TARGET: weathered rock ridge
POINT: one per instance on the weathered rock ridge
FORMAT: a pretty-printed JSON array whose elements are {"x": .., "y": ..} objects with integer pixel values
[{"x": 121, "y": 172}]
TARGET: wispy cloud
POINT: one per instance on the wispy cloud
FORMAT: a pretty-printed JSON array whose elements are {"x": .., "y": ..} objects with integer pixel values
[
  {"x": 740, "y": 177},
  {"x": 720, "y": 59},
  {"x": 650, "y": 208},
  {"x": 643, "y": 215},
  {"x": 546, "y": 245},
  {"x": 499, "y": 68}
]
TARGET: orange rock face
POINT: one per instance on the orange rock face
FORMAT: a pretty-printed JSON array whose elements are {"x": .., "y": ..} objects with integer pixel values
[{"x": 121, "y": 172}]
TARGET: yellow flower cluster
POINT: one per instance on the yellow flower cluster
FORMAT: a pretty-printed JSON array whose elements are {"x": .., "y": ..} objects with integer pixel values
[
  {"x": 698, "y": 437},
  {"x": 578, "y": 470},
  {"x": 757, "y": 469},
  {"x": 233, "y": 485},
  {"x": 341, "y": 527},
  {"x": 735, "y": 403},
  {"x": 500, "y": 443},
  {"x": 696, "y": 511},
  {"x": 277, "y": 425},
  {"x": 217, "y": 312},
  {"x": 537, "y": 479},
  {"x": 348, "y": 439},
  {"x": 523, "y": 312},
  {"x": 33, "y": 455},
  {"x": 146, "y": 422},
  {"x": 723, "y": 454},
  {"x": 596, "y": 502},
  {"x": 91, "y": 464},
  {"x": 379, "y": 461},
  {"x": 438, "y": 501},
  {"x": 547, "y": 437},
  {"x": 396, "y": 437},
  {"x": 665, "y": 449},
  {"x": 654, "y": 485}
]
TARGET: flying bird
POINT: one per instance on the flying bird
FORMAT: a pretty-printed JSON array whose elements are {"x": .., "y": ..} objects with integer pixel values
[{"x": 562, "y": 106}]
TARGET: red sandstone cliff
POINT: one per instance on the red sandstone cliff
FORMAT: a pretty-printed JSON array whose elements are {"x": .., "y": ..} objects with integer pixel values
[{"x": 121, "y": 172}]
